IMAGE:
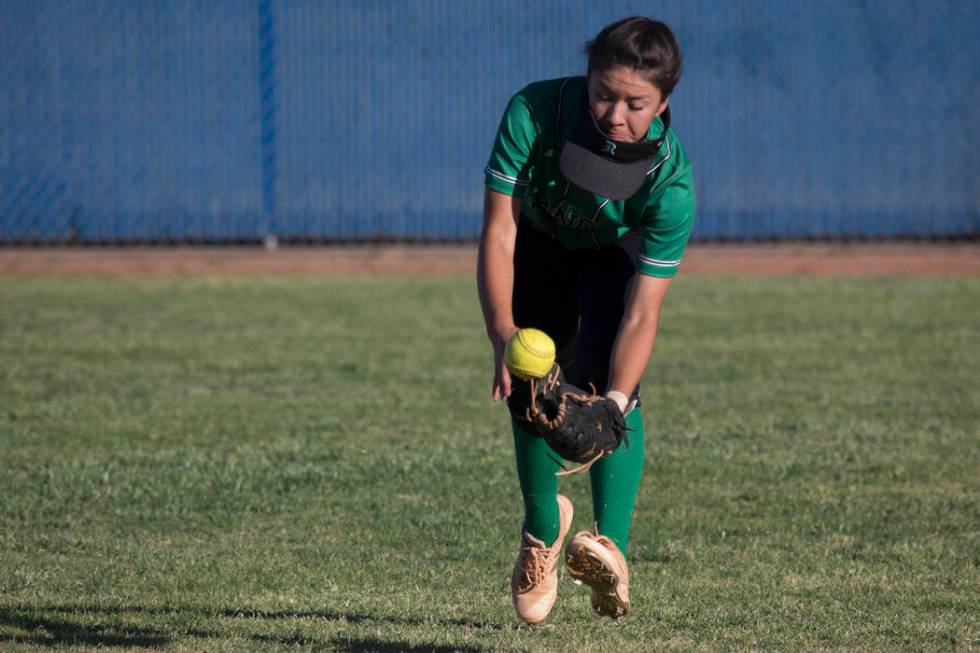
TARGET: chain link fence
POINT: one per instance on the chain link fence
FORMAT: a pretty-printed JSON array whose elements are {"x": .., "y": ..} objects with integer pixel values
[{"x": 233, "y": 121}]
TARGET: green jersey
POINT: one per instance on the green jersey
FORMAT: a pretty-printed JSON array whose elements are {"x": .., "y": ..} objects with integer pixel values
[{"x": 524, "y": 163}]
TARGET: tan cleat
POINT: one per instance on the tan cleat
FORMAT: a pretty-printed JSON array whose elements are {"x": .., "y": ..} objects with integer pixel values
[
  {"x": 596, "y": 561},
  {"x": 534, "y": 583}
]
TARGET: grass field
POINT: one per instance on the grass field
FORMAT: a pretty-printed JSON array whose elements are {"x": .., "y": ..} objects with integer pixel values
[{"x": 314, "y": 464}]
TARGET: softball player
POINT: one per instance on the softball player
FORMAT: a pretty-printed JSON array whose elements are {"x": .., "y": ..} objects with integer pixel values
[{"x": 588, "y": 207}]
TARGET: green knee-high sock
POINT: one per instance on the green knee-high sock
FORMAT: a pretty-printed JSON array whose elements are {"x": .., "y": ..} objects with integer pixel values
[
  {"x": 615, "y": 481},
  {"x": 536, "y": 469}
]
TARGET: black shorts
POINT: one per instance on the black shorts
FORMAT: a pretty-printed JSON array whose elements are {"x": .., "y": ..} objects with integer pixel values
[{"x": 577, "y": 297}]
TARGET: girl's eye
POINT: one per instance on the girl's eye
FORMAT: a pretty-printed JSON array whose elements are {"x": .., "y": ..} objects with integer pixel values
[{"x": 635, "y": 108}]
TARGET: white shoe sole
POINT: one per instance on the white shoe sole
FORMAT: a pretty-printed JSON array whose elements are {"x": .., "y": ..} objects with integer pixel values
[{"x": 588, "y": 566}]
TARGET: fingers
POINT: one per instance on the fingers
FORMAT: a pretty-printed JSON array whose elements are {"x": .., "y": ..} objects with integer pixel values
[
  {"x": 501, "y": 375},
  {"x": 501, "y": 382}
]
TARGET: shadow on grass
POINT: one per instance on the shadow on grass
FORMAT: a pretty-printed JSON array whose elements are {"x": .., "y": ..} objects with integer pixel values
[
  {"x": 49, "y": 631},
  {"x": 272, "y": 615},
  {"x": 352, "y": 617},
  {"x": 47, "y": 626}
]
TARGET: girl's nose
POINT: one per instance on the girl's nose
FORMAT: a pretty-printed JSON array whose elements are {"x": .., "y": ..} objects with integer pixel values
[{"x": 615, "y": 114}]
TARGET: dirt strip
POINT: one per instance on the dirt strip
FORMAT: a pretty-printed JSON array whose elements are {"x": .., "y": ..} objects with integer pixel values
[{"x": 783, "y": 259}]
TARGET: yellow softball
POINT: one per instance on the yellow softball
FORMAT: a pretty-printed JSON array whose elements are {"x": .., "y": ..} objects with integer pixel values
[{"x": 529, "y": 354}]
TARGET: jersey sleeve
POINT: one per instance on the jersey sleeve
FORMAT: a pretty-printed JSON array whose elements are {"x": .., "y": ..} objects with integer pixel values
[
  {"x": 509, "y": 168},
  {"x": 668, "y": 219}
]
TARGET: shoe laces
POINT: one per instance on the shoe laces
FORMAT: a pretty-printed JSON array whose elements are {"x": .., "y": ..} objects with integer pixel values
[{"x": 535, "y": 564}]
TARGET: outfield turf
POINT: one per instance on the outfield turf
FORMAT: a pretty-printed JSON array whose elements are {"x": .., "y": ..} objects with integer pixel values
[{"x": 314, "y": 464}]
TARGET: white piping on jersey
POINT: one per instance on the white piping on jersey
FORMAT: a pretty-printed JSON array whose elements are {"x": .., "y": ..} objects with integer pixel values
[
  {"x": 503, "y": 177},
  {"x": 661, "y": 162},
  {"x": 596, "y": 214},
  {"x": 659, "y": 264}
]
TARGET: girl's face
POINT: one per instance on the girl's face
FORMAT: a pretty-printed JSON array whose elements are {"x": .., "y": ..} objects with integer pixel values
[{"x": 624, "y": 103}]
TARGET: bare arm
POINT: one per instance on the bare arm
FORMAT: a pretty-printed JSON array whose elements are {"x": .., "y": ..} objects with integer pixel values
[
  {"x": 495, "y": 278},
  {"x": 637, "y": 332}
]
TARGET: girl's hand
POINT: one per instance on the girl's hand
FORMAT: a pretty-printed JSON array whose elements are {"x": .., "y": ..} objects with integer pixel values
[{"x": 501, "y": 375}]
